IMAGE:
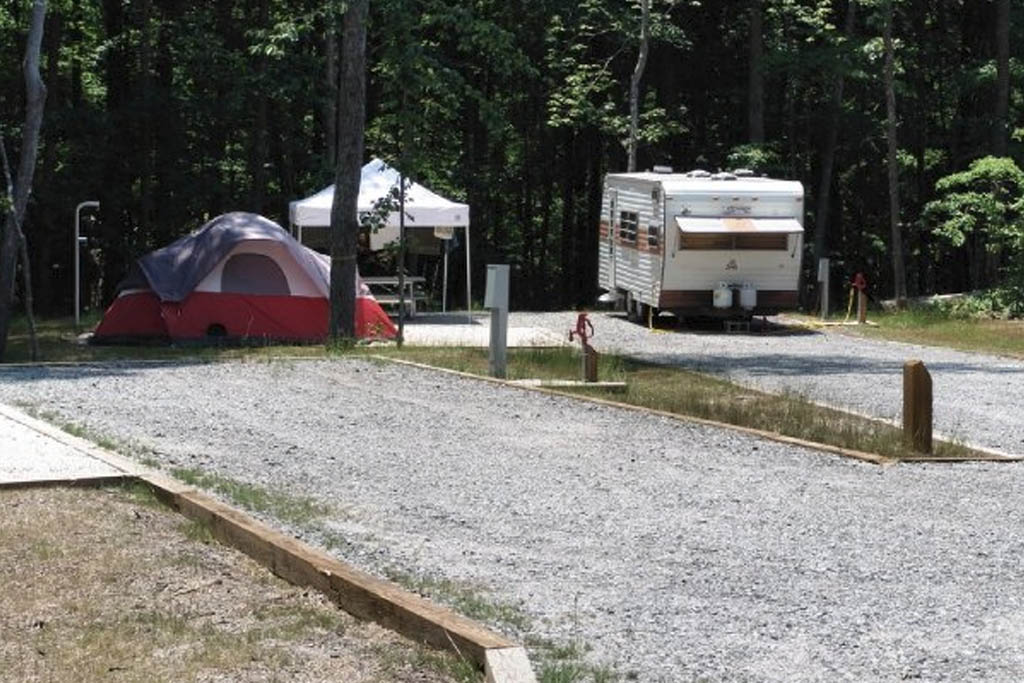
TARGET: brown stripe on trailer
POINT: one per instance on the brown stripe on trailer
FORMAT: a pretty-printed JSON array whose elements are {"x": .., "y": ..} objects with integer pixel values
[{"x": 767, "y": 299}]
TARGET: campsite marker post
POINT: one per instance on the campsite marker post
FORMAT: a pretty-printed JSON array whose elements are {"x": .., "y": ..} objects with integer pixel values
[
  {"x": 78, "y": 245},
  {"x": 496, "y": 299},
  {"x": 917, "y": 406}
]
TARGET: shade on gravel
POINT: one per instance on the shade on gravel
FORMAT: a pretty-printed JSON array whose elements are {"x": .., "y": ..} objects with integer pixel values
[{"x": 672, "y": 550}]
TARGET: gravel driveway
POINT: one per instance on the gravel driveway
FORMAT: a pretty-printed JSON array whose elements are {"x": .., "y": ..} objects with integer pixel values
[
  {"x": 673, "y": 551},
  {"x": 978, "y": 399}
]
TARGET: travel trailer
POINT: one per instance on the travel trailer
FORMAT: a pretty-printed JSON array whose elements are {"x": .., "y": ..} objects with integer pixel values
[{"x": 700, "y": 244}]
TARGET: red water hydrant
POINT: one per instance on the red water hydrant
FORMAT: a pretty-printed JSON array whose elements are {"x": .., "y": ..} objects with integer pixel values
[
  {"x": 860, "y": 283},
  {"x": 582, "y": 324},
  {"x": 585, "y": 330}
]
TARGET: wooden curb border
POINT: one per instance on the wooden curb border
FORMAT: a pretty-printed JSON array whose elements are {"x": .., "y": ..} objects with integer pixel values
[
  {"x": 772, "y": 436},
  {"x": 355, "y": 591}
]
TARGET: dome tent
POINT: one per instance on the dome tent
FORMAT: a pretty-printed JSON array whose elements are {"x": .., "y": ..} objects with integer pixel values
[{"x": 240, "y": 276}]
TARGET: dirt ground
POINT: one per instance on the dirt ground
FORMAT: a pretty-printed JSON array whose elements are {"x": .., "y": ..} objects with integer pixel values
[{"x": 109, "y": 584}]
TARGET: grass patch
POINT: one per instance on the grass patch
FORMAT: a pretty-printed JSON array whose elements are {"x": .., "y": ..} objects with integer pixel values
[
  {"x": 57, "y": 339},
  {"x": 78, "y": 430},
  {"x": 688, "y": 393},
  {"x": 198, "y": 531},
  {"x": 934, "y": 327},
  {"x": 298, "y": 510},
  {"x": 543, "y": 363},
  {"x": 566, "y": 663},
  {"x": 95, "y": 607},
  {"x": 451, "y": 666},
  {"x": 142, "y": 493},
  {"x": 467, "y": 600}
]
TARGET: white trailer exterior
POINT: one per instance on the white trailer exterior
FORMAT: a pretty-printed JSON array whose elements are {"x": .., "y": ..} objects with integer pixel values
[{"x": 691, "y": 243}]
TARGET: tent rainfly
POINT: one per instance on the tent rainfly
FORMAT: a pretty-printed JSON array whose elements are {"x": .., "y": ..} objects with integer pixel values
[{"x": 423, "y": 209}]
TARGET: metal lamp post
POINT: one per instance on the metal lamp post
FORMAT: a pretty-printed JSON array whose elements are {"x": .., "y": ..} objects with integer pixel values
[{"x": 77, "y": 247}]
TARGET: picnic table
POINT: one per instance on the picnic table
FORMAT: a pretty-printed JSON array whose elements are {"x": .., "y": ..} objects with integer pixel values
[{"x": 385, "y": 290}]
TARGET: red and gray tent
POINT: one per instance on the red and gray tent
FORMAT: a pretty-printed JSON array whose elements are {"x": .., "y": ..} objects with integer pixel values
[{"x": 240, "y": 276}]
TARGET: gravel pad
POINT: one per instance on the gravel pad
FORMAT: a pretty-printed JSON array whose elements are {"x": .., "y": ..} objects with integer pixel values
[
  {"x": 673, "y": 551},
  {"x": 978, "y": 399}
]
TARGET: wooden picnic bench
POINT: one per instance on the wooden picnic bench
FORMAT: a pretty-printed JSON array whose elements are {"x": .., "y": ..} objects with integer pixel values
[{"x": 385, "y": 290}]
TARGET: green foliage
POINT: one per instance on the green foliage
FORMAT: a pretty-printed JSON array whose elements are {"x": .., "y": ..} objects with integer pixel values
[
  {"x": 985, "y": 204},
  {"x": 170, "y": 113},
  {"x": 760, "y": 158},
  {"x": 1000, "y": 303},
  {"x": 988, "y": 196}
]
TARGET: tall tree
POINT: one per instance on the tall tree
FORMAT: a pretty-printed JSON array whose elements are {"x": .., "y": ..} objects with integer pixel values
[
  {"x": 331, "y": 83},
  {"x": 828, "y": 150},
  {"x": 634, "y": 82},
  {"x": 344, "y": 211},
  {"x": 11, "y": 242},
  {"x": 755, "y": 101},
  {"x": 1000, "y": 131},
  {"x": 896, "y": 236}
]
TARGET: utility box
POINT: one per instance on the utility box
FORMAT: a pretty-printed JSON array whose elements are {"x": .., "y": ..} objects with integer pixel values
[
  {"x": 496, "y": 299},
  {"x": 496, "y": 294}
]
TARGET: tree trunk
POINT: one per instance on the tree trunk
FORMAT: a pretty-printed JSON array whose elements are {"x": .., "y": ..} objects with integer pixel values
[
  {"x": 899, "y": 274},
  {"x": 634, "y": 83},
  {"x": 1000, "y": 131},
  {"x": 26, "y": 278},
  {"x": 344, "y": 211},
  {"x": 755, "y": 105},
  {"x": 35, "y": 97},
  {"x": 828, "y": 152}
]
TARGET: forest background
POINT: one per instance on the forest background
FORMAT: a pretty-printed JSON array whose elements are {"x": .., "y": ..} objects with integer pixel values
[{"x": 170, "y": 112}]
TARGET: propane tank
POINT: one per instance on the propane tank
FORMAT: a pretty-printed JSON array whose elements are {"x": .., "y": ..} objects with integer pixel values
[
  {"x": 722, "y": 297},
  {"x": 748, "y": 297}
]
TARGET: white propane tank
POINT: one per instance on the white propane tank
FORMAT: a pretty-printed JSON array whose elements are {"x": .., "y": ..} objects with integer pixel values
[
  {"x": 748, "y": 297},
  {"x": 723, "y": 295}
]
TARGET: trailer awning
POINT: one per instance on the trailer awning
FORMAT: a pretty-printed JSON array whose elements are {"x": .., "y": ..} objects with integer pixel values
[{"x": 691, "y": 224}]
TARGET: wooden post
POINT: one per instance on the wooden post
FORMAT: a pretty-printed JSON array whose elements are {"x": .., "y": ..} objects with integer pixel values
[
  {"x": 589, "y": 363},
  {"x": 862, "y": 307},
  {"x": 917, "y": 406}
]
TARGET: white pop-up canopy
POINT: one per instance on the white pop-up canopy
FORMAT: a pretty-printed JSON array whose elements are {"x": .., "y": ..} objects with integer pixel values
[{"x": 423, "y": 209}]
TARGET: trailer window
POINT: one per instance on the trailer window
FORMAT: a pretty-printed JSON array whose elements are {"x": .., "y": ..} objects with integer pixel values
[
  {"x": 628, "y": 222},
  {"x": 653, "y": 233},
  {"x": 719, "y": 241},
  {"x": 764, "y": 241},
  {"x": 723, "y": 241}
]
